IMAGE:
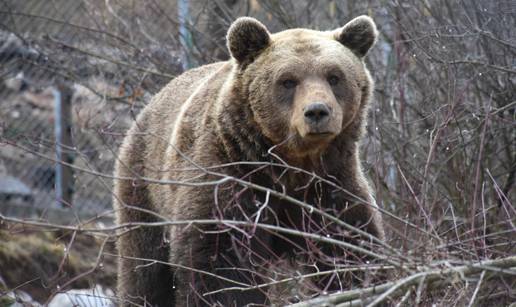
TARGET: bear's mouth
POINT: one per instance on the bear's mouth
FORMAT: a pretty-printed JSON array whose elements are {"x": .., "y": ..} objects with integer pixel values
[
  {"x": 318, "y": 134},
  {"x": 322, "y": 137}
]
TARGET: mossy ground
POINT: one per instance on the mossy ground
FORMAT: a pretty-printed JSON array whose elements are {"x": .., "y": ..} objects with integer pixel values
[{"x": 40, "y": 263}]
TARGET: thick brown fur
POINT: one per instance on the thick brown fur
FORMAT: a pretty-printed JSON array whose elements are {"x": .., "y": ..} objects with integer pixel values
[{"x": 250, "y": 108}]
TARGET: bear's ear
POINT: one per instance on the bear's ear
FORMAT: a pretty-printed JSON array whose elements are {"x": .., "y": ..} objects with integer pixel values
[
  {"x": 358, "y": 35},
  {"x": 246, "y": 38}
]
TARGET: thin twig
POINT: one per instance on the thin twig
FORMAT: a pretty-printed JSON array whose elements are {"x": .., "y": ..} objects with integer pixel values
[{"x": 477, "y": 288}]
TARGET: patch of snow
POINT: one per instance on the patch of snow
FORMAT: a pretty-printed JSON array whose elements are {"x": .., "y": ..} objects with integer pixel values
[{"x": 96, "y": 297}]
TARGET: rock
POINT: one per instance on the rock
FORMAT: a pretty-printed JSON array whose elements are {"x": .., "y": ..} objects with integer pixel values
[
  {"x": 43, "y": 99},
  {"x": 12, "y": 46},
  {"x": 17, "y": 83},
  {"x": 12, "y": 187},
  {"x": 21, "y": 299}
]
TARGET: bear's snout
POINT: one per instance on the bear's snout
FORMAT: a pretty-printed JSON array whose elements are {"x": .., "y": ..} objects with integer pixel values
[
  {"x": 316, "y": 113},
  {"x": 318, "y": 119}
]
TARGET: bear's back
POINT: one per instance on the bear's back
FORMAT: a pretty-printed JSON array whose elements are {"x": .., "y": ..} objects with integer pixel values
[
  {"x": 165, "y": 106},
  {"x": 159, "y": 117}
]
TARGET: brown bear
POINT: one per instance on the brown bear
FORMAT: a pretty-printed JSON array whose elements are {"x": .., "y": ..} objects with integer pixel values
[{"x": 238, "y": 167}]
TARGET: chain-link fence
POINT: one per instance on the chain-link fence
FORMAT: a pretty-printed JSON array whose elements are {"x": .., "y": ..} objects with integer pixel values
[
  {"x": 36, "y": 56},
  {"x": 30, "y": 165}
]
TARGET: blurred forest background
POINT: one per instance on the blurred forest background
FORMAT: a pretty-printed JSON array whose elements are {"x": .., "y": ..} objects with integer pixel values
[{"x": 440, "y": 149}]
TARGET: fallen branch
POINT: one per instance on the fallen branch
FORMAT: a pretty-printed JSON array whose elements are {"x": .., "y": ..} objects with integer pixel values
[{"x": 392, "y": 289}]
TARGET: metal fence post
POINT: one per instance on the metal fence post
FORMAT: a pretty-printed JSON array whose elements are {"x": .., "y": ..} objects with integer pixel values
[
  {"x": 185, "y": 37},
  {"x": 64, "y": 181}
]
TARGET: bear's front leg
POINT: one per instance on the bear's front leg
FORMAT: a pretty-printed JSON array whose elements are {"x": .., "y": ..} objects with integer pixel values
[{"x": 210, "y": 258}]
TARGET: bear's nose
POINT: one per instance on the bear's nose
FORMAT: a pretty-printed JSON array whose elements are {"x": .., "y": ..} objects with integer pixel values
[{"x": 316, "y": 112}]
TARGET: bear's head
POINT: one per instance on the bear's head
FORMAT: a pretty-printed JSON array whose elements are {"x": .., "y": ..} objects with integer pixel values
[{"x": 305, "y": 88}]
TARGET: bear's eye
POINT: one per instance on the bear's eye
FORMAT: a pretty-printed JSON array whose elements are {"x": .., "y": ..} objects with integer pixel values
[
  {"x": 333, "y": 80},
  {"x": 289, "y": 83}
]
